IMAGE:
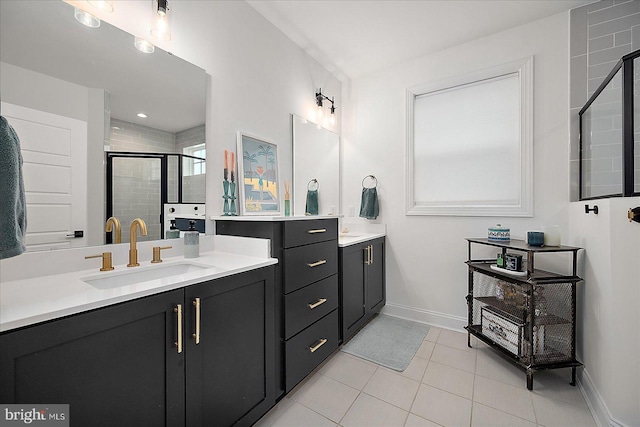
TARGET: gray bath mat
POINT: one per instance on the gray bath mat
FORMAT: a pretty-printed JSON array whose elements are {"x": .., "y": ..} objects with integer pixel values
[{"x": 388, "y": 341}]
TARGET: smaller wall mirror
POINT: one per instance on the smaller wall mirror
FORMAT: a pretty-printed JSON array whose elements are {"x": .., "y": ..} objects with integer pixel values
[{"x": 316, "y": 155}]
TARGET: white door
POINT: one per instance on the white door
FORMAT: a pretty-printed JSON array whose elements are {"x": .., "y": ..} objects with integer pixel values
[{"x": 54, "y": 152}]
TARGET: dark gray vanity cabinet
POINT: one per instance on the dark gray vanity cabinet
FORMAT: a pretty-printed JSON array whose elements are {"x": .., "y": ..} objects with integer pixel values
[
  {"x": 122, "y": 365},
  {"x": 362, "y": 284},
  {"x": 113, "y": 366},
  {"x": 229, "y": 352},
  {"x": 306, "y": 290}
]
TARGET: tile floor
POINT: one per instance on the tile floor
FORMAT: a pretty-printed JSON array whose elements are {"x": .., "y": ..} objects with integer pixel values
[{"x": 446, "y": 384}]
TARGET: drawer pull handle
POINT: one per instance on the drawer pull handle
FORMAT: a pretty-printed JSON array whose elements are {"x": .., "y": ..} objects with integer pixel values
[
  {"x": 196, "y": 304},
  {"x": 317, "y": 230},
  {"x": 178, "y": 311},
  {"x": 317, "y": 263},
  {"x": 319, "y": 344},
  {"x": 317, "y": 303}
]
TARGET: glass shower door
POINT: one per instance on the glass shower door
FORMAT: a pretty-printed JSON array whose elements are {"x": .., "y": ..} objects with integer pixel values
[{"x": 137, "y": 193}]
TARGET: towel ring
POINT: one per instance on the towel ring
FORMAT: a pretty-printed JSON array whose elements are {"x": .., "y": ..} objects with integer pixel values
[
  {"x": 312, "y": 182},
  {"x": 375, "y": 180}
]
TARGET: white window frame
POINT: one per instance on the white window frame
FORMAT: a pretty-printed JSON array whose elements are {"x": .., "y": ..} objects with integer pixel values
[
  {"x": 189, "y": 151},
  {"x": 523, "y": 207}
]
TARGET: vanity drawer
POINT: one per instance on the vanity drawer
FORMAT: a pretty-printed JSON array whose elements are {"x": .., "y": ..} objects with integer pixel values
[
  {"x": 307, "y": 305},
  {"x": 308, "y": 264},
  {"x": 305, "y": 232},
  {"x": 309, "y": 348}
]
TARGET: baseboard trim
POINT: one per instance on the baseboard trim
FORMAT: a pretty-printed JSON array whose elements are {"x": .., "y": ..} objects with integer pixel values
[
  {"x": 441, "y": 320},
  {"x": 596, "y": 404}
]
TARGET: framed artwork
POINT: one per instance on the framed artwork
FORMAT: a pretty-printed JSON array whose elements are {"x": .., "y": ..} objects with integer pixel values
[{"x": 258, "y": 188}]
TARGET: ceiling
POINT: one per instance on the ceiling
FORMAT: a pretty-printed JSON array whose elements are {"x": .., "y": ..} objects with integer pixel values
[{"x": 351, "y": 38}]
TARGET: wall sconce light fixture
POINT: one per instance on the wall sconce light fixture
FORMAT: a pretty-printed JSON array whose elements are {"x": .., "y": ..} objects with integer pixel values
[
  {"x": 320, "y": 108},
  {"x": 161, "y": 27}
]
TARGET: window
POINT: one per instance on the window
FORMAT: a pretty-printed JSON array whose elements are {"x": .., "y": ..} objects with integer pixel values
[
  {"x": 194, "y": 166},
  {"x": 469, "y": 144}
]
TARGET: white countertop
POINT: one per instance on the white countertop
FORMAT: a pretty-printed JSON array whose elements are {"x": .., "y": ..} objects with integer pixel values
[
  {"x": 348, "y": 239},
  {"x": 271, "y": 218},
  {"x": 33, "y": 300}
]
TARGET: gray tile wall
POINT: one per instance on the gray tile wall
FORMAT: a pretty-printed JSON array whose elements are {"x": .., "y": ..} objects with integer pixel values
[
  {"x": 189, "y": 137},
  {"x": 127, "y": 136},
  {"x": 136, "y": 194},
  {"x": 600, "y": 34}
]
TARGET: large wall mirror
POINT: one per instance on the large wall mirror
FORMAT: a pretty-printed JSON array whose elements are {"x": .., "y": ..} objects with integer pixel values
[
  {"x": 74, "y": 95},
  {"x": 316, "y": 156}
]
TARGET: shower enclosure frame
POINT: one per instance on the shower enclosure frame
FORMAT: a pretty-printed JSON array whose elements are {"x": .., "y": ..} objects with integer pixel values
[
  {"x": 626, "y": 63},
  {"x": 164, "y": 172}
]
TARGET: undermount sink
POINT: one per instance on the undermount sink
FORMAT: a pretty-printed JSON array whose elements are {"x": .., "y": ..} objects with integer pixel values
[{"x": 144, "y": 274}]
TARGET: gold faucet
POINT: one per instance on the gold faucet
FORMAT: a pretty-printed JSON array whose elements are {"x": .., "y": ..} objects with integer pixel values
[
  {"x": 113, "y": 225},
  {"x": 133, "y": 250}
]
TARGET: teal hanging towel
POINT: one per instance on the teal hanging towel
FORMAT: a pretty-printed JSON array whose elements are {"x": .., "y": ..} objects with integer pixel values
[
  {"x": 311, "y": 207},
  {"x": 369, "y": 208},
  {"x": 13, "y": 210}
]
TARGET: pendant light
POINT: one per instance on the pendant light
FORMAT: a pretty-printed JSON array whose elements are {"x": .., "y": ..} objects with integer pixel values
[{"x": 161, "y": 28}]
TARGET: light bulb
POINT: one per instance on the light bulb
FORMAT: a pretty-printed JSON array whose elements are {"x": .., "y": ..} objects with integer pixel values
[
  {"x": 332, "y": 119},
  {"x": 102, "y": 5},
  {"x": 161, "y": 28},
  {"x": 319, "y": 113}
]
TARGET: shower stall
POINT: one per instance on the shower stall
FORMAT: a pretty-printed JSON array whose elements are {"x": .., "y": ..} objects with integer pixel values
[{"x": 140, "y": 184}]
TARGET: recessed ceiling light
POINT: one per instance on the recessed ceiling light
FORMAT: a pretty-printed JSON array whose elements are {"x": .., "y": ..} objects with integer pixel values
[
  {"x": 86, "y": 18},
  {"x": 142, "y": 115},
  {"x": 143, "y": 46}
]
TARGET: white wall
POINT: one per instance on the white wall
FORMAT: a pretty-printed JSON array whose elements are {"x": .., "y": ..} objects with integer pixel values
[
  {"x": 426, "y": 277},
  {"x": 258, "y": 76},
  {"x": 608, "y": 337}
]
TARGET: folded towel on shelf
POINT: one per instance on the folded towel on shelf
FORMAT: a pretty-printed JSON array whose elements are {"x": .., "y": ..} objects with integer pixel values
[
  {"x": 369, "y": 208},
  {"x": 311, "y": 208},
  {"x": 13, "y": 211}
]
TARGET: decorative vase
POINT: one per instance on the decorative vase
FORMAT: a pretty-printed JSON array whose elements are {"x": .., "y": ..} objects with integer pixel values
[
  {"x": 225, "y": 187},
  {"x": 232, "y": 197},
  {"x": 287, "y": 207}
]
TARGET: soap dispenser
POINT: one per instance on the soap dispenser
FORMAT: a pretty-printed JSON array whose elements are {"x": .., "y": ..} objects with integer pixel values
[
  {"x": 173, "y": 232},
  {"x": 191, "y": 241}
]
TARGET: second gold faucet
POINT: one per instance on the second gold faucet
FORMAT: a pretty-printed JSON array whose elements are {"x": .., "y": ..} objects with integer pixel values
[{"x": 133, "y": 250}]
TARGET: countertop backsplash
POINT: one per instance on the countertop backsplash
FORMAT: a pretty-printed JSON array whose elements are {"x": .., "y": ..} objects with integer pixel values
[{"x": 45, "y": 263}]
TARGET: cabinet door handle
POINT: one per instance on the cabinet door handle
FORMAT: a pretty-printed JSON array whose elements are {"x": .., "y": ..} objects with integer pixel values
[
  {"x": 196, "y": 304},
  {"x": 317, "y": 303},
  {"x": 317, "y": 230},
  {"x": 178, "y": 311},
  {"x": 317, "y": 263},
  {"x": 368, "y": 255},
  {"x": 318, "y": 344},
  {"x": 371, "y": 255}
]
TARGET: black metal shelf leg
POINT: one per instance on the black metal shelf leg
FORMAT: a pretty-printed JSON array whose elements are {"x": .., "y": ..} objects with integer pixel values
[
  {"x": 529, "y": 379},
  {"x": 573, "y": 376}
]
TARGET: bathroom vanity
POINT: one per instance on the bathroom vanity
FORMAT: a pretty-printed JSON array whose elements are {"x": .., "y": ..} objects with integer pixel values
[
  {"x": 192, "y": 348},
  {"x": 362, "y": 281},
  {"x": 307, "y": 317}
]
